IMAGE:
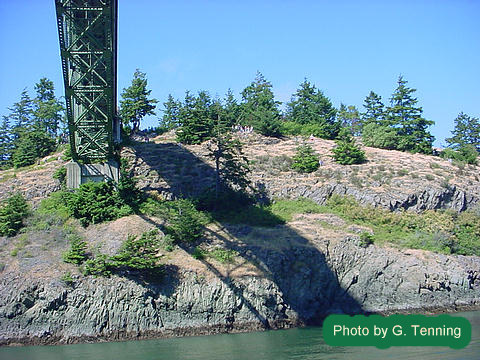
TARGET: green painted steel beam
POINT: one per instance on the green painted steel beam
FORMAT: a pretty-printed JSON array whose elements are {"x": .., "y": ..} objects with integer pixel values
[{"x": 87, "y": 32}]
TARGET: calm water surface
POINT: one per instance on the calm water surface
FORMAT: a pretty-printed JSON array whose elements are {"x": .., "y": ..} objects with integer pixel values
[{"x": 306, "y": 343}]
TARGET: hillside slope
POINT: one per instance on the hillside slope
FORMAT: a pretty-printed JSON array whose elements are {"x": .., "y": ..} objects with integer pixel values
[{"x": 274, "y": 277}]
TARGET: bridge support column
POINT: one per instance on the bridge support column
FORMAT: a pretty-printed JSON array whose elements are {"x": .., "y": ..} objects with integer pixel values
[{"x": 78, "y": 174}]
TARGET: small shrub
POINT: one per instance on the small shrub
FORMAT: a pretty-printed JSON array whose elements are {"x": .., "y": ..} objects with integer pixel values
[
  {"x": 347, "y": 152},
  {"x": 223, "y": 255},
  {"x": 434, "y": 165},
  {"x": 68, "y": 279},
  {"x": 98, "y": 266},
  {"x": 13, "y": 211},
  {"x": 357, "y": 181},
  {"x": 20, "y": 244},
  {"x": 168, "y": 243},
  {"x": 198, "y": 253},
  {"x": 93, "y": 203},
  {"x": 429, "y": 177},
  {"x": 402, "y": 172},
  {"x": 305, "y": 160},
  {"x": 366, "y": 239},
  {"x": 78, "y": 250},
  {"x": 138, "y": 253},
  {"x": 186, "y": 223},
  {"x": 61, "y": 175}
]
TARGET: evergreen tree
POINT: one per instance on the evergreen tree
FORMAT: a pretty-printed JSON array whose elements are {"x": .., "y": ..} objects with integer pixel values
[
  {"x": 231, "y": 109},
  {"x": 259, "y": 108},
  {"x": 231, "y": 165},
  {"x": 310, "y": 106},
  {"x": 404, "y": 115},
  {"x": 30, "y": 146},
  {"x": 171, "y": 114},
  {"x": 347, "y": 152},
  {"x": 305, "y": 159},
  {"x": 135, "y": 103},
  {"x": 195, "y": 123},
  {"x": 349, "y": 116},
  {"x": 6, "y": 143},
  {"x": 466, "y": 132},
  {"x": 48, "y": 110},
  {"x": 21, "y": 115},
  {"x": 374, "y": 110},
  {"x": 12, "y": 212}
]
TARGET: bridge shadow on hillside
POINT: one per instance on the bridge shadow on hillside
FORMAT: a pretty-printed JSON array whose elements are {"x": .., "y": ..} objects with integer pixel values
[{"x": 298, "y": 268}]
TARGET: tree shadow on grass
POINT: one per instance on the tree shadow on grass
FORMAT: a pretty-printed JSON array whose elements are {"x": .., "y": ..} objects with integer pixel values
[{"x": 298, "y": 268}]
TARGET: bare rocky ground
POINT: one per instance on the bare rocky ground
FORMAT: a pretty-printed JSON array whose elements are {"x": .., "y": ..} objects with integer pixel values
[{"x": 282, "y": 276}]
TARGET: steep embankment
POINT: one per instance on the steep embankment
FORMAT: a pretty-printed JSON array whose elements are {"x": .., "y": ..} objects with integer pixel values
[{"x": 278, "y": 277}]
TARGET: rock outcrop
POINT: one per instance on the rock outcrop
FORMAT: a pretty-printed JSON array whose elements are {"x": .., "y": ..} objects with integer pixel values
[{"x": 299, "y": 283}]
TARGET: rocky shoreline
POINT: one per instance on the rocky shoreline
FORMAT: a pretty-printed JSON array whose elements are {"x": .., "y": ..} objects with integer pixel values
[{"x": 299, "y": 285}]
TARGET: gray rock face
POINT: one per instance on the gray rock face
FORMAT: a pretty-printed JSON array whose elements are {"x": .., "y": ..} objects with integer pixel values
[
  {"x": 423, "y": 199},
  {"x": 299, "y": 286}
]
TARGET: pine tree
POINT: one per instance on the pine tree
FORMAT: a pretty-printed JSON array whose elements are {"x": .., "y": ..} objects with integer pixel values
[
  {"x": 349, "y": 116},
  {"x": 21, "y": 115},
  {"x": 374, "y": 110},
  {"x": 347, "y": 152},
  {"x": 305, "y": 159},
  {"x": 404, "y": 115},
  {"x": 310, "y": 106},
  {"x": 466, "y": 132},
  {"x": 231, "y": 165},
  {"x": 171, "y": 114},
  {"x": 6, "y": 143},
  {"x": 195, "y": 122},
  {"x": 48, "y": 110},
  {"x": 30, "y": 146},
  {"x": 231, "y": 109},
  {"x": 259, "y": 108},
  {"x": 135, "y": 103}
]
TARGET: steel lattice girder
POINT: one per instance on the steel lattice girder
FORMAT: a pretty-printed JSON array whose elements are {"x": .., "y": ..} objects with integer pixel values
[{"x": 87, "y": 32}]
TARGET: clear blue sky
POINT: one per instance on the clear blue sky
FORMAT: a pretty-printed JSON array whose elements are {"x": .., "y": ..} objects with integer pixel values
[{"x": 346, "y": 48}]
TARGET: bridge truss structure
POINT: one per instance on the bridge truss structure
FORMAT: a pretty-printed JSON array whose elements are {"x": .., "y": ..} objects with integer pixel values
[{"x": 87, "y": 31}]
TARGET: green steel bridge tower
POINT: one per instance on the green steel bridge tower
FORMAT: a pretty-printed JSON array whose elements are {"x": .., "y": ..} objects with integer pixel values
[{"x": 87, "y": 31}]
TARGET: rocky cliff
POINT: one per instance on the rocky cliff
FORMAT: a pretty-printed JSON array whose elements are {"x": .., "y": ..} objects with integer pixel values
[{"x": 281, "y": 277}]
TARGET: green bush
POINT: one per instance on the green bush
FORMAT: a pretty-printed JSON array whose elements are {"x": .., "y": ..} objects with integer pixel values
[
  {"x": 61, "y": 175},
  {"x": 320, "y": 130},
  {"x": 366, "y": 239},
  {"x": 185, "y": 223},
  {"x": 138, "y": 253},
  {"x": 347, "y": 152},
  {"x": 383, "y": 137},
  {"x": 223, "y": 255},
  {"x": 305, "y": 160},
  {"x": 98, "y": 266},
  {"x": 13, "y": 211},
  {"x": 78, "y": 250},
  {"x": 93, "y": 203},
  {"x": 467, "y": 154},
  {"x": 68, "y": 279},
  {"x": 198, "y": 253}
]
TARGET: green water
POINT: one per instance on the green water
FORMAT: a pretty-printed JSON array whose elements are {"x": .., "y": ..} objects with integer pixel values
[{"x": 306, "y": 343}]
